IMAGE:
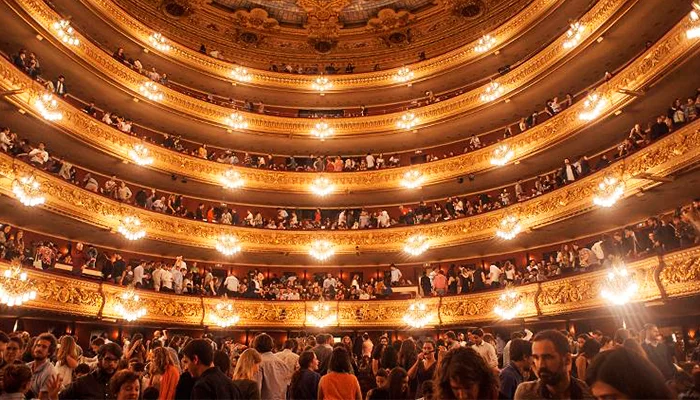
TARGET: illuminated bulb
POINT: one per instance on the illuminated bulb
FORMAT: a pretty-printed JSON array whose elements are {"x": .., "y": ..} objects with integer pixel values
[
  {"x": 322, "y": 186},
  {"x": 140, "y": 154},
  {"x": 159, "y": 42},
  {"x": 618, "y": 288},
  {"x": 493, "y": 91},
  {"x": 407, "y": 121},
  {"x": 65, "y": 32},
  {"x": 608, "y": 192},
  {"x": 232, "y": 179},
  {"x": 228, "y": 245},
  {"x": 412, "y": 179},
  {"x": 594, "y": 105},
  {"x": 509, "y": 305},
  {"x": 416, "y": 245},
  {"x": 694, "y": 32},
  {"x": 417, "y": 316},
  {"x": 321, "y": 250},
  {"x": 403, "y": 75},
  {"x": 225, "y": 315},
  {"x": 502, "y": 154},
  {"x": 322, "y": 130},
  {"x": 236, "y": 121},
  {"x": 28, "y": 190},
  {"x": 509, "y": 227},
  {"x": 241, "y": 74},
  {"x": 322, "y": 84},
  {"x": 485, "y": 44},
  {"x": 130, "y": 228},
  {"x": 47, "y": 105},
  {"x": 573, "y": 35},
  {"x": 129, "y": 306},
  {"x": 151, "y": 91}
]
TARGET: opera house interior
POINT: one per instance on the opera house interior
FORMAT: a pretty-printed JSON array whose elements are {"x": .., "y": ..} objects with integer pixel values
[{"x": 349, "y": 199}]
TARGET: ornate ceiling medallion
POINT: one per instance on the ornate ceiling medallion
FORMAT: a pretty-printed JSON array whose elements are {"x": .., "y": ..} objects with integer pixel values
[
  {"x": 322, "y": 130},
  {"x": 130, "y": 228},
  {"x": 236, "y": 121},
  {"x": 140, "y": 154},
  {"x": 594, "y": 105},
  {"x": 228, "y": 245},
  {"x": 417, "y": 315},
  {"x": 486, "y": 43},
  {"x": 159, "y": 42},
  {"x": 573, "y": 35},
  {"x": 618, "y": 288},
  {"x": 321, "y": 315},
  {"x": 151, "y": 91},
  {"x": 509, "y": 305},
  {"x": 231, "y": 179},
  {"x": 47, "y": 105},
  {"x": 241, "y": 74},
  {"x": 416, "y": 245},
  {"x": 407, "y": 121},
  {"x": 15, "y": 287},
  {"x": 502, "y": 154},
  {"x": 225, "y": 315},
  {"x": 322, "y": 186},
  {"x": 509, "y": 227},
  {"x": 609, "y": 191},
  {"x": 129, "y": 306},
  {"x": 403, "y": 75},
  {"x": 412, "y": 179},
  {"x": 321, "y": 250},
  {"x": 321, "y": 84},
  {"x": 65, "y": 32},
  {"x": 28, "y": 190}
]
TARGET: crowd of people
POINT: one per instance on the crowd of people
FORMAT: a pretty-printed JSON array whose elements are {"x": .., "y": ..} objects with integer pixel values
[{"x": 471, "y": 364}]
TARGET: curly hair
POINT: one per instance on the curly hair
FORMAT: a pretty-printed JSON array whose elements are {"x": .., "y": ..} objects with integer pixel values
[
  {"x": 468, "y": 368},
  {"x": 161, "y": 360}
]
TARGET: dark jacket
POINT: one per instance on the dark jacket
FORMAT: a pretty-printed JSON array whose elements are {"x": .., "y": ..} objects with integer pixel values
[
  {"x": 659, "y": 356},
  {"x": 213, "y": 384},
  {"x": 323, "y": 353},
  {"x": 93, "y": 386}
]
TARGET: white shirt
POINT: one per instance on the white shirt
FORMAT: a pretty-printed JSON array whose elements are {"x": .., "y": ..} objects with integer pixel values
[
  {"x": 157, "y": 274},
  {"x": 38, "y": 156},
  {"x": 138, "y": 274},
  {"x": 166, "y": 279},
  {"x": 488, "y": 353},
  {"x": 370, "y": 161},
  {"x": 494, "y": 273},
  {"x": 292, "y": 361},
  {"x": 395, "y": 275},
  {"x": 231, "y": 283}
]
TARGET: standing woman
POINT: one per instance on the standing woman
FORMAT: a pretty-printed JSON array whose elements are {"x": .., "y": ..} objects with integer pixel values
[
  {"x": 424, "y": 367},
  {"x": 244, "y": 376},
  {"x": 463, "y": 373},
  {"x": 408, "y": 354},
  {"x": 590, "y": 349},
  {"x": 163, "y": 373},
  {"x": 305, "y": 380},
  {"x": 67, "y": 359},
  {"x": 339, "y": 383}
]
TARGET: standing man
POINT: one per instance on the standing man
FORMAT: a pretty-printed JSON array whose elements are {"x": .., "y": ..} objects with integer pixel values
[
  {"x": 657, "y": 351},
  {"x": 517, "y": 369},
  {"x": 395, "y": 275},
  {"x": 272, "y": 373},
  {"x": 211, "y": 384},
  {"x": 95, "y": 385},
  {"x": 42, "y": 369},
  {"x": 289, "y": 357},
  {"x": 323, "y": 352},
  {"x": 485, "y": 349}
]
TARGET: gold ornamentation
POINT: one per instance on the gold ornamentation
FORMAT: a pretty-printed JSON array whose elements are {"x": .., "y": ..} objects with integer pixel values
[
  {"x": 257, "y": 19},
  {"x": 388, "y": 20}
]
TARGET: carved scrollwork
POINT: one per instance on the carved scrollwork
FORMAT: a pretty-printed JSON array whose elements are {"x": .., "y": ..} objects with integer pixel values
[
  {"x": 389, "y": 20},
  {"x": 257, "y": 19}
]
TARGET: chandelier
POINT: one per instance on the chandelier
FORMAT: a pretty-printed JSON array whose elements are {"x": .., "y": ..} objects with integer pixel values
[
  {"x": 412, "y": 179},
  {"x": 225, "y": 315},
  {"x": 28, "y": 190},
  {"x": 140, "y": 154},
  {"x": 694, "y": 32},
  {"x": 321, "y": 250},
  {"x": 493, "y": 91},
  {"x": 321, "y": 315},
  {"x": 403, "y": 75},
  {"x": 241, "y": 74},
  {"x": 47, "y": 105},
  {"x": 485, "y": 44},
  {"x": 509, "y": 227},
  {"x": 130, "y": 227},
  {"x": 236, "y": 121},
  {"x": 573, "y": 35},
  {"x": 231, "y": 179},
  {"x": 407, "y": 121},
  {"x": 417, "y": 316},
  {"x": 416, "y": 245},
  {"x": 66, "y": 32},
  {"x": 593, "y": 107},
  {"x": 322, "y": 186},
  {"x": 129, "y": 305},
  {"x": 618, "y": 288},
  {"x": 509, "y": 304},
  {"x": 159, "y": 42},
  {"x": 322, "y": 130},
  {"x": 228, "y": 245},
  {"x": 15, "y": 287},
  {"x": 609, "y": 191},
  {"x": 322, "y": 84},
  {"x": 151, "y": 91},
  {"x": 502, "y": 154}
]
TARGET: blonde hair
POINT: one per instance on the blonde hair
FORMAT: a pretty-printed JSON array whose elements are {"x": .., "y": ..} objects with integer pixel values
[
  {"x": 244, "y": 367},
  {"x": 160, "y": 361},
  {"x": 67, "y": 348}
]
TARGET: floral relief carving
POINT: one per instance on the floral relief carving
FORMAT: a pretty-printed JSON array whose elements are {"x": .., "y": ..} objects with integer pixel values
[
  {"x": 257, "y": 18},
  {"x": 388, "y": 20},
  {"x": 681, "y": 273}
]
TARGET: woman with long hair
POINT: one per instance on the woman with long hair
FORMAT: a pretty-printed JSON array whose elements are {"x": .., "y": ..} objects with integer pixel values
[
  {"x": 624, "y": 374},
  {"x": 424, "y": 367},
  {"x": 590, "y": 349},
  {"x": 163, "y": 374},
  {"x": 396, "y": 387},
  {"x": 67, "y": 358},
  {"x": 304, "y": 385},
  {"x": 408, "y": 354},
  {"x": 244, "y": 376},
  {"x": 339, "y": 383},
  {"x": 463, "y": 374}
]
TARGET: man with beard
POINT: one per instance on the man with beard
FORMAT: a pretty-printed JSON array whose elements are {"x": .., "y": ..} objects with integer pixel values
[
  {"x": 518, "y": 367},
  {"x": 552, "y": 363},
  {"x": 42, "y": 369},
  {"x": 95, "y": 385}
]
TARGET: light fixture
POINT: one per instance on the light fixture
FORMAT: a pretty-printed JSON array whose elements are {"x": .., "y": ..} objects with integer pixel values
[
  {"x": 241, "y": 74},
  {"x": 225, "y": 315},
  {"x": 407, "y": 121},
  {"x": 228, "y": 245},
  {"x": 619, "y": 287},
  {"x": 694, "y": 31},
  {"x": 502, "y": 154},
  {"x": 47, "y": 105},
  {"x": 412, "y": 179},
  {"x": 231, "y": 179},
  {"x": 15, "y": 286},
  {"x": 28, "y": 190},
  {"x": 65, "y": 32},
  {"x": 129, "y": 305},
  {"x": 417, "y": 315},
  {"x": 321, "y": 315},
  {"x": 609, "y": 191},
  {"x": 159, "y": 42},
  {"x": 573, "y": 35},
  {"x": 485, "y": 44},
  {"x": 140, "y": 154},
  {"x": 403, "y": 75},
  {"x": 151, "y": 91},
  {"x": 322, "y": 186},
  {"x": 130, "y": 228},
  {"x": 594, "y": 105},
  {"x": 236, "y": 121},
  {"x": 416, "y": 245},
  {"x": 509, "y": 304},
  {"x": 322, "y": 130},
  {"x": 509, "y": 227},
  {"x": 322, "y": 84},
  {"x": 493, "y": 91},
  {"x": 321, "y": 250}
]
